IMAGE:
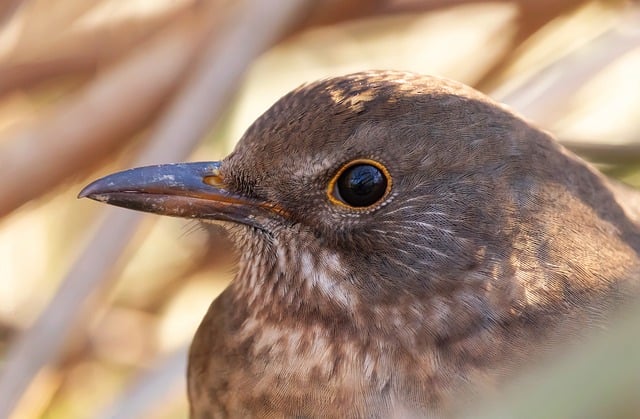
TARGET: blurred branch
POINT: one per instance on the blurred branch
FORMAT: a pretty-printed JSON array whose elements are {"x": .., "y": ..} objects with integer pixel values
[
  {"x": 533, "y": 13},
  {"x": 246, "y": 33},
  {"x": 542, "y": 96},
  {"x": 142, "y": 396},
  {"x": 7, "y": 332},
  {"x": 84, "y": 52},
  {"x": 8, "y": 9},
  {"x": 88, "y": 125},
  {"x": 532, "y": 16},
  {"x": 212, "y": 255},
  {"x": 614, "y": 154}
]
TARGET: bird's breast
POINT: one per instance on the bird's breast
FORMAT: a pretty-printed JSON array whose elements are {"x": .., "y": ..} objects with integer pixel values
[{"x": 281, "y": 371}]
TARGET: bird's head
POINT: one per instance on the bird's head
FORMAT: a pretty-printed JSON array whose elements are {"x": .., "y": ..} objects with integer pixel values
[{"x": 373, "y": 189}]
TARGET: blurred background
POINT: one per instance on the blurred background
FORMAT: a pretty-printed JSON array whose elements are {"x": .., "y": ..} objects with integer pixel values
[{"x": 97, "y": 304}]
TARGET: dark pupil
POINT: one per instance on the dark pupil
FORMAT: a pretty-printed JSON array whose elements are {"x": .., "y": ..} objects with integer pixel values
[{"x": 361, "y": 185}]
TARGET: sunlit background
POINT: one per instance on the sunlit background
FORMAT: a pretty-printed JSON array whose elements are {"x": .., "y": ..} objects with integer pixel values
[{"x": 97, "y": 305}]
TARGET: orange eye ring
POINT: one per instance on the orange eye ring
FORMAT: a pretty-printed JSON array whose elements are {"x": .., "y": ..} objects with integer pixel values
[{"x": 373, "y": 184}]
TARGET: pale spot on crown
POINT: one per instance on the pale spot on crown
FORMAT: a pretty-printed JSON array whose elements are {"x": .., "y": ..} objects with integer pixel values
[{"x": 354, "y": 102}]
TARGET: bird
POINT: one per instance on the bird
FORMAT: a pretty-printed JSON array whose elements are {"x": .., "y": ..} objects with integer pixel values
[{"x": 404, "y": 242}]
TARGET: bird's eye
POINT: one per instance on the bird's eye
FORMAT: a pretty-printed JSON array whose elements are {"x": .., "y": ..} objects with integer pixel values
[{"x": 360, "y": 184}]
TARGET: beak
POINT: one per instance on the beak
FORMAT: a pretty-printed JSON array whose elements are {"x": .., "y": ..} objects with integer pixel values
[{"x": 187, "y": 190}]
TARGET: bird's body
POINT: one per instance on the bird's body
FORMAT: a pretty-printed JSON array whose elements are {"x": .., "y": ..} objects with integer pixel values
[{"x": 403, "y": 240}]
